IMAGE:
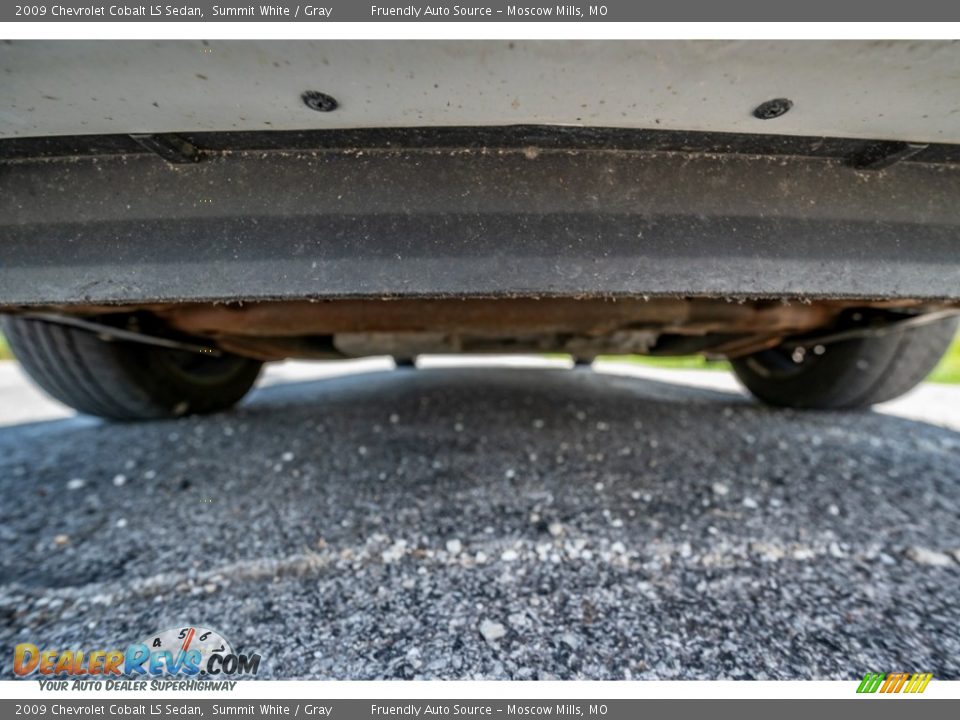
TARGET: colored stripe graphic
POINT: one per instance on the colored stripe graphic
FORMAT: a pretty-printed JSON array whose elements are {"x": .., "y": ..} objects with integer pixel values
[
  {"x": 894, "y": 683},
  {"x": 871, "y": 683},
  {"x": 901, "y": 681},
  {"x": 918, "y": 683}
]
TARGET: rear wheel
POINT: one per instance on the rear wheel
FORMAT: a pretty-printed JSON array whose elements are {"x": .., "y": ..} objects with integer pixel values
[
  {"x": 853, "y": 373},
  {"x": 126, "y": 380}
]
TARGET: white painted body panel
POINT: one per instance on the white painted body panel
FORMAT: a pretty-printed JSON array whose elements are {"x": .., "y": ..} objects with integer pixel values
[{"x": 903, "y": 90}]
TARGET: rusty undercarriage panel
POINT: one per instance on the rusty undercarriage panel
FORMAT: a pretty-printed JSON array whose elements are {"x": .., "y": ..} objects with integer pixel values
[{"x": 584, "y": 327}]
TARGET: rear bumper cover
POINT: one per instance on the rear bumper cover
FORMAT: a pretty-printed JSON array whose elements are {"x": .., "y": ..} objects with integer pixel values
[{"x": 895, "y": 90}]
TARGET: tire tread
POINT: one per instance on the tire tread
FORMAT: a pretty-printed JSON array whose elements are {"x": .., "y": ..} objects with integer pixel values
[
  {"x": 108, "y": 379},
  {"x": 855, "y": 373}
]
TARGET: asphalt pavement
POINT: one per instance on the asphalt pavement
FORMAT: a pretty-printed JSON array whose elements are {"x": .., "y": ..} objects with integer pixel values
[{"x": 352, "y": 521}]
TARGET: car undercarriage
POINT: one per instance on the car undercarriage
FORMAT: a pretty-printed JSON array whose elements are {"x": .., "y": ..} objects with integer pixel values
[{"x": 775, "y": 249}]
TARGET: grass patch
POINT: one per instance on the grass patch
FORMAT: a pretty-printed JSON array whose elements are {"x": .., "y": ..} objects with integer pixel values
[
  {"x": 5, "y": 353},
  {"x": 690, "y": 362},
  {"x": 948, "y": 371}
]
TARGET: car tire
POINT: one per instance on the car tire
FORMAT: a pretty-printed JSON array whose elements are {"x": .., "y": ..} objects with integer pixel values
[
  {"x": 126, "y": 380},
  {"x": 853, "y": 373}
]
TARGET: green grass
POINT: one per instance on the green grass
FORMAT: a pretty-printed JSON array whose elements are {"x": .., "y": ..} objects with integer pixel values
[
  {"x": 691, "y": 362},
  {"x": 948, "y": 371}
]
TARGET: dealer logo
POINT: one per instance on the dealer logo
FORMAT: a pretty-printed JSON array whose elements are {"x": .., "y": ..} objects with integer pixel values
[
  {"x": 894, "y": 683},
  {"x": 186, "y": 651}
]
